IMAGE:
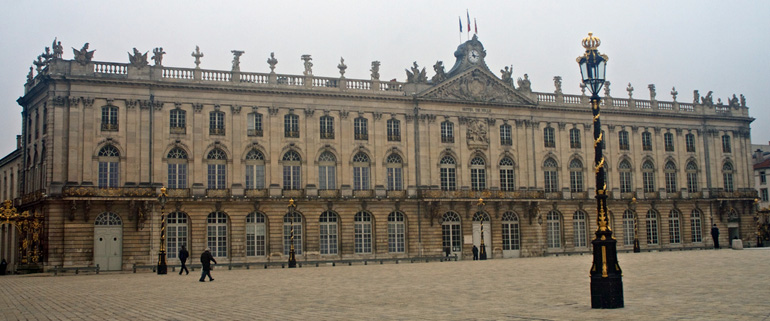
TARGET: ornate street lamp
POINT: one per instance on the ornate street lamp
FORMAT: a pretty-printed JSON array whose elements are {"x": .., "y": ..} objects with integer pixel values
[
  {"x": 292, "y": 259},
  {"x": 637, "y": 249},
  {"x": 606, "y": 275},
  {"x": 483, "y": 250},
  {"x": 162, "y": 199}
]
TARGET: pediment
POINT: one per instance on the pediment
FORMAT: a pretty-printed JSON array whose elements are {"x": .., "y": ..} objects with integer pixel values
[{"x": 476, "y": 85}]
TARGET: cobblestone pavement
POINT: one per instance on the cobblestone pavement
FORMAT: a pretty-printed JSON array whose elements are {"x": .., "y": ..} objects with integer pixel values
[{"x": 689, "y": 285}]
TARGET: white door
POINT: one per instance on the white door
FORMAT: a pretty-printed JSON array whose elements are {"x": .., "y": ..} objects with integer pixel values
[
  {"x": 487, "y": 238},
  {"x": 108, "y": 242}
]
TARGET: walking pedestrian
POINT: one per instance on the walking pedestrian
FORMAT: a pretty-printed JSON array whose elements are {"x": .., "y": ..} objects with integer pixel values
[
  {"x": 715, "y": 236},
  {"x": 183, "y": 255},
  {"x": 206, "y": 260},
  {"x": 475, "y": 251}
]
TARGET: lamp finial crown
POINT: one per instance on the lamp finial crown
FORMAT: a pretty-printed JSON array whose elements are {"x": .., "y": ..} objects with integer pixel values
[{"x": 591, "y": 42}]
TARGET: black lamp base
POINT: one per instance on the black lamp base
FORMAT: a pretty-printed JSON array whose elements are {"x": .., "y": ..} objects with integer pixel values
[
  {"x": 606, "y": 292},
  {"x": 162, "y": 267},
  {"x": 292, "y": 260}
]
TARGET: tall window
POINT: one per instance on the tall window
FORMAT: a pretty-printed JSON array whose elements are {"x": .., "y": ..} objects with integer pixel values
[
  {"x": 648, "y": 176},
  {"x": 292, "y": 221},
  {"x": 450, "y": 231},
  {"x": 109, "y": 165},
  {"x": 216, "y": 234},
  {"x": 689, "y": 140},
  {"x": 629, "y": 225},
  {"x": 256, "y": 235},
  {"x": 291, "y": 125},
  {"x": 696, "y": 226},
  {"x": 505, "y": 135},
  {"x": 254, "y": 125},
  {"x": 327, "y": 127},
  {"x": 727, "y": 176},
  {"x": 363, "y": 233},
  {"x": 692, "y": 177},
  {"x": 574, "y": 138},
  {"x": 646, "y": 141},
  {"x": 394, "y": 167},
  {"x": 762, "y": 178},
  {"x": 670, "y": 173},
  {"x": 652, "y": 227},
  {"x": 448, "y": 173},
  {"x": 510, "y": 231},
  {"x": 764, "y": 195},
  {"x": 361, "y": 129},
  {"x": 447, "y": 132},
  {"x": 553, "y": 221},
  {"x": 624, "y": 171},
  {"x": 548, "y": 137},
  {"x": 576, "y": 176},
  {"x": 394, "y": 130},
  {"x": 478, "y": 174},
  {"x": 668, "y": 141},
  {"x": 177, "y": 121},
  {"x": 327, "y": 171},
  {"x": 580, "y": 228},
  {"x": 216, "y": 163},
  {"x": 361, "y": 171},
  {"x": 550, "y": 168},
  {"x": 328, "y": 232},
  {"x": 291, "y": 170},
  {"x": 623, "y": 140},
  {"x": 396, "y": 233},
  {"x": 507, "y": 175},
  {"x": 177, "y": 168},
  {"x": 216, "y": 123},
  {"x": 726, "y": 144},
  {"x": 176, "y": 233},
  {"x": 674, "y": 230},
  {"x": 109, "y": 118},
  {"x": 255, "y": 170}
]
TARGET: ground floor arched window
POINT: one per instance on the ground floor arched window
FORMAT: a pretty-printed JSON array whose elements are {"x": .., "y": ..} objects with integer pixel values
[
  {"x": 216, "y": 234},
  {"x": 396, "y": 233},
  {"x": 176, "y": 233},
  {"x": 256, "y": 235}
]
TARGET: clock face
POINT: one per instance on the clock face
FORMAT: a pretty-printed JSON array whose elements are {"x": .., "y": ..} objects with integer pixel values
[{"x": 474, "y": 56}]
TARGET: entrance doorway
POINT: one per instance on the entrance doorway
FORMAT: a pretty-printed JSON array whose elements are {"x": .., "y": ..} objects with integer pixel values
[
  {"x": 451, "y": 234},
  {"x": 478, "y": 218},
  {"x": 108, "y": 242}
]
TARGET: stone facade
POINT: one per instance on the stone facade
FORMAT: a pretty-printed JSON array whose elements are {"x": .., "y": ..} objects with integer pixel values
[{"x": 407, "y": 160}]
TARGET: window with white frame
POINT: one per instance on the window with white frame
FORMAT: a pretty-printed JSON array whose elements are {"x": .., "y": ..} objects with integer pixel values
[
  {"x": 254, "y": 125},
  {"x": 648, "y": 176},
  {"x": 448, "y": 168},
  {"x": 292, "y": 226},
  {"x": 328, "y": 233},
  {"x": 255, "y": 169},
  {"x": 548, "y": 137},
  {"x": 646, "y": 141},
  {"x": 624, "y": 173},
  {"x": 670, "y": 173},
  {"x": 450, "y": 231},
  {"x": 580, "y": 228},
  {"x": 394, "y": 168},
  {"x": 447, "y": 132},
  {"x": 505, "y": 135},
  {"x": 668, "y": 141},
  {"x": 764, "y": 195},
  {"x": 176, "y": 233},
  {"x": 216, "y": 234},
  {"x": 361, "y": 128},
  {"x": 629, "y": 227},
  {"x": 394, "y": 130},
  {"x": 478, "y": 174},
  {"x": 623, "y": 140},
  {"x": 574, "y": 138},
  {"x": 216, "y": 163},
  {"x": 291, "y": 126},
  {"x": 696, "y": 226},
  {"x": 692, "y": 177},
  {"x": 510, "y": 231},
  {"x": 576, "y": 176},
  {"x": 396, "y": 233},
  {"x": 256, "y": 234},
  {"x": 553, "y": 222},
  {"x": 361, "y": 171},
  {"x": 726, "y": 148},
  {"x": 363, "y": 233},
  {"x": 109, "y": 118},
  {"x": 727, "y": 176},
  {"x": 507, "y": 174},
  {"x": 327, "y": 171},
  {"x": 177, "y": 168},
  {"x": 216, "y": 123},
  {"x": 652, "y": 227},
  {"x": 291, "y": 170},
  {"x": 109, "y": 166},
  {"x": 177, "y": 121},
  {"x": 689, "y": 141},
  {"x": 327, "y": 127},
  {"x": 674, "y": 229},
  {"x": 550, "y": 175}
]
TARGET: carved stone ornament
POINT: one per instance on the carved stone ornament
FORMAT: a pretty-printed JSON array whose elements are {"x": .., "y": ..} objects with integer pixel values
[
  {"x": 478, "y": 86},
  {"x": 83, "y": 56},
  {"x": 342, "y": 67},
  {"x": 138, "y": 59},
  {"x": 272, "y": 62},
  {"x": 157, "y": 56},
  {"x": 198, "y": 55},
  {"x": 375, "y": 70},
  {"x": 416, "y": 76},
  {"x": 237, "y": 59},
  {"x": 477, "y": 133},
  {"x": 307, "y": 61},
  {"x": 440, "y": 74}
]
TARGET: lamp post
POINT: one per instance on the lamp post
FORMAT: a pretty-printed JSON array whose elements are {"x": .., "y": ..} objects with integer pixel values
[
  {"x": 606, "y": 275},
  {"x": 162, "y": 199},
  {"x": 483, "y": 250},
  {"x": 292, "y": 259},
  {"x": 637, "y": 249}
]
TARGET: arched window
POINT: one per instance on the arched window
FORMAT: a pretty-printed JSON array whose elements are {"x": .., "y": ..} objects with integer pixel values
[
  {"x": 576, "y": 176},
  {"x": 507, "y": 174},
  {"x": 550, "y": 168},
  {"x": 668, "y": 140},
  {"x": 624, "y": 171},
  {"x": 109, "y": 166},
  {"x": 254, "y": 125},
  {"x": 727, "y": 176},
  {"x": 327, "y": 171},
  {"x": 648, "y": 176},
  {"x": 505, "y": 135},
  {"x": 394, "y": 168},
  {"x": 674, "y": 229},
  {"x": 328, "y": 233},
  {"x": 177, "y": 168},
  {"x": 361, "y": 172},
  {"x": 670, "y": 172},
  {"x": 652, "y": 227},
  {"x": 447, "y": 132},
  {"x": 327, "y": 127},
  {"x": 580, "y": 228},
  {"x": 574, "y": 138},
  {"x": 646, "y": 141},
  {"x": 108, "y": 219},
  {"x": 109, "y": 118},
  {"x": 478, "y": 174},
  {"x": 361, "y": 128},
  {"x": 216, "y": 234},
  {"x": 176, "y": 233},
  {"x": 256, "y": 234},
  {"x": 450, "y": 231},
  {"x": 292, "y": 221},
  {"x": 448, "y": 173},
  {"x": 629, "y": 227},
  {"x": 394, "y": 130},
  {"x": 549, "y": 139},
  {"x": 623, "y": 140},
  {"x": 510, "y": 231},
  {"x": 363, "y": 233},
  {"x": 396, "y": 233},
  {"x": 692, "y": 177},
  {"x": 216, "y": 123},
  {"x": 291, "y": 170},
  {"x": 553, "y": 220},
  {"x": 255, "y": 170},
  {"x": 291, "y": 125},
  {"x": 216, "y": 162},
  {"x": 696, "y": 227}
]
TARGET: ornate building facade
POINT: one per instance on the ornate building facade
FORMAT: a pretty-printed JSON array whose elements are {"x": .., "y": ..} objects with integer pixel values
[{"x": 378, "y": 169}]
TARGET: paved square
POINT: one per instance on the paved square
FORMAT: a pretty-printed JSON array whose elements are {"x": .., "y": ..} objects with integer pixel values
[{"x": 691, "y": 285}]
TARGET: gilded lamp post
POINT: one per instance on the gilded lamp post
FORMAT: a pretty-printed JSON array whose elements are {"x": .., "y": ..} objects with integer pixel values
[
  {"x": 483, "y": 249},
  {"x": 162, "y": 199},
  {"x": 292, "y": 259},
  {"x": 606, "y": 275}
]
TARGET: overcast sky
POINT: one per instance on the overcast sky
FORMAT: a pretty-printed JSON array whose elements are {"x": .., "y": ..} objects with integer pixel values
[{"x": 722, "y": 46}]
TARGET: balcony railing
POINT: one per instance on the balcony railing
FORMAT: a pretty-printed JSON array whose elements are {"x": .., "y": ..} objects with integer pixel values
[
  {"x": 216, "y": 131},
  {"x": 291, "y": 134},
  {"x": 448, "y": 139},
  {"x": 254, "y": 132},
  {"x": 178, "y": 130},
  {"x": 220, "y": 193},
  {"x": 362, "y": 136},
  {"x": 256, "y": 193},
  {"x": 327, "y": 135},
  {"x": 394, "y": 138},
  {"x": 109, "y": 127}
]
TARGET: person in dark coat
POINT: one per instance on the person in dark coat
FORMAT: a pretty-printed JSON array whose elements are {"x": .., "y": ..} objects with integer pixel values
[
  {"x": 183, "y": 255},
  {"x": 206, "y": 260},
  {"x": 447, "y": 251},
  {"x": 475, "y": 251},
  {"x": 3, "y": 266},
  {"x": 715, "y": 235}
]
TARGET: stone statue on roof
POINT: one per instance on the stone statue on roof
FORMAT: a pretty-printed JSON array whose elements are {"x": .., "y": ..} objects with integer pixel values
[
  {"x": 83, "y": 56},
  {"x": 440, "y": 74},
  {"x": 138, "y": 59}
]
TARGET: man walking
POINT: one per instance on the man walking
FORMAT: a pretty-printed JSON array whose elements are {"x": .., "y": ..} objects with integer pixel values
[
  {"x": 715, "y": 236},
  {"x": 206, "y": 259},
  {"x": 183, "y": 255}
]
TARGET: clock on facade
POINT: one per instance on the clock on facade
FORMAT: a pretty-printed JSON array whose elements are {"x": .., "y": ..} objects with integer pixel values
[{"x": 474, "y": 57}]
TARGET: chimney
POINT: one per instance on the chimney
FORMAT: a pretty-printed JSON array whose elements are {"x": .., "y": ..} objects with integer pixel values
[{"x": 18, "y": 141}]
